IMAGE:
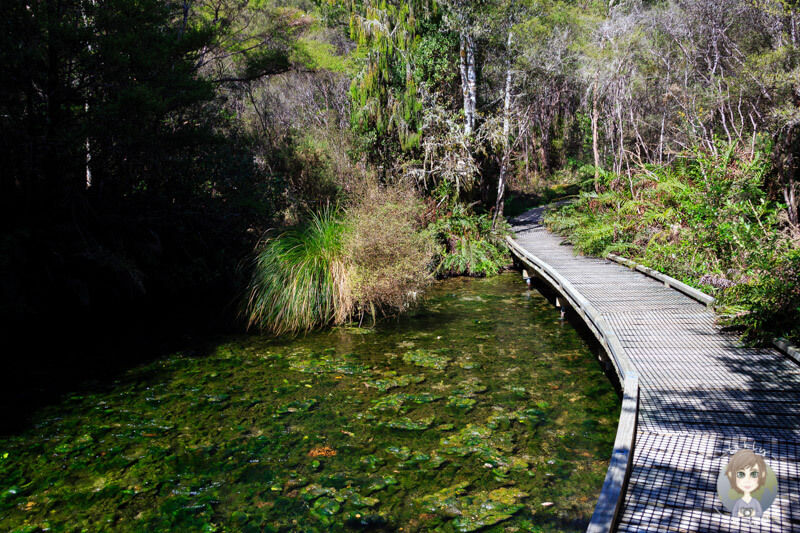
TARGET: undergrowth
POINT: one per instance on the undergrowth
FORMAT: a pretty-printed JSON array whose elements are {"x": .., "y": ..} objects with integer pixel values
[
  {"x": 705, "y": 220},
  {"x": 371, "y": 258},
  {"x": 389, "y": 250},
  {"x": 468, "y": 245}
]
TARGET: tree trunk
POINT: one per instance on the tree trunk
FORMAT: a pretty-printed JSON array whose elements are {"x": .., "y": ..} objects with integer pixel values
[
  {"x": 789, "y": 196},
  {"x": 501, "y": 183},
  {"x": 468, "y": 80},
  {"x": 472, "y": 80},
  {"x": 544, "y": 149},
  {"x": 595, "y": 150}
]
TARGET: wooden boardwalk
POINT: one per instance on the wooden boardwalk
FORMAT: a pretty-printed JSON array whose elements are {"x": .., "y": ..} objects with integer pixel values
[{"x": 702, "y": 395}]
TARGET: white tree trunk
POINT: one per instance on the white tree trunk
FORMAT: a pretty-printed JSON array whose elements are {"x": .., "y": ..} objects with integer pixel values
[
  {"x": 86, "y": 110},
  {"x": 501, "y": 183},
  {"x": 468, "y": 80},
  {"x": 595, "y": 149}
]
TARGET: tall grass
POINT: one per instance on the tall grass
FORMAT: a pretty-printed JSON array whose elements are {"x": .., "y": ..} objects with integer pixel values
[{"x": 300, "y": 278}]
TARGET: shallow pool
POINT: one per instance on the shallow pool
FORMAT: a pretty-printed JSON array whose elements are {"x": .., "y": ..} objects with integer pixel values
[{"x": 480, "y": 410}]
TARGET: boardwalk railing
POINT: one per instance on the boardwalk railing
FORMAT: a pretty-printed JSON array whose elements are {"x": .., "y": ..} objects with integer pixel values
[
  {"x": 791, "y": 351},
  {"x": 613, "y": 491}
]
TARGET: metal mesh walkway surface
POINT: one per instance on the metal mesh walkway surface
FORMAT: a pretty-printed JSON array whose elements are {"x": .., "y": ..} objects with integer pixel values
[{"x": 703, "y": 395}]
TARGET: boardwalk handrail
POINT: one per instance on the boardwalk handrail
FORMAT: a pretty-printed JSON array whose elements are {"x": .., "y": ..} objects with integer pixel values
[
  {"x": 619, "y": 468},
  {"x": 791, "y": 351}
]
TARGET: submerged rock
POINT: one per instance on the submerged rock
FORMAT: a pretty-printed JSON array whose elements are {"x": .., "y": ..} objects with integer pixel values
[
  {"x": 392, "y": 380},
  {"x": 408, "y": 424},
  {"x": 363, "y": 501},
  {"x": 299, "y": 406},
  {"x": 482, "y": 509},
  {"x": 460, "y": 403},
  {"x": 326, "y": 362},
  {"x": 395, "y": 401},
  {"x": 371, "y": 462},
  {"x": 401, "y": 452},
  {"x": 314, "y": 491},
  {"x": 428, "y": 358},
  {"x": 444, "y": 501},
  {"x": 392, "y": 402},
  {"x": 414, "y": 460},
  {"x": 325, "y": 507},
  {"x": 474, "y": 511},
  {"x": 379, "y": 483},
  {"x": 469, "y": 388}
]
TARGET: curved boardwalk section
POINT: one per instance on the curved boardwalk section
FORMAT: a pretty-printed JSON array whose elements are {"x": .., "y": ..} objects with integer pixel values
[{"x": 702, "y": 396}]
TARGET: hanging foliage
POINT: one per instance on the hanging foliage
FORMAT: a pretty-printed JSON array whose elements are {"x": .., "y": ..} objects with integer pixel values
[{"x": 385, "y": 93}]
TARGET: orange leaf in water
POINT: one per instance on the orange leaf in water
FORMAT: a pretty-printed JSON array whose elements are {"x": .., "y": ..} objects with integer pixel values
[{"x": 322, "y": 451}]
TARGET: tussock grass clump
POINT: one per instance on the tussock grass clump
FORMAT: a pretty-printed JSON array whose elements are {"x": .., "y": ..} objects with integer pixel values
[{"x": 300, "y": 279}]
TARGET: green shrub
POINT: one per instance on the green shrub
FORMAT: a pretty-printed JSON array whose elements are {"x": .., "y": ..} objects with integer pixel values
[
  {"x": 374, "y": 258},
  {"x": 768, "y": 305},
  {"x": 390, "y": 255},
  {"x": 468, "y": 246},
  {"x": 705, "y": 220}
]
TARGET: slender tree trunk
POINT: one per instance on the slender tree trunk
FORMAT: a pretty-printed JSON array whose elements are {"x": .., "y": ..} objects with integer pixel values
[
  {"x": 544, "y": 149},
  {"x": 661, "y": 138},
  {"x": 86, "y": 110},
  {"x": 468, "y": 80},
  {"x": 88, "y": 153},
  {"x": 501, "y": 183},
  {"x": 472, "y": 80},
  {"x": 789, "y": 196},
  {"x": 464, "y": 84},
  {"x": 595, "y": 150}
]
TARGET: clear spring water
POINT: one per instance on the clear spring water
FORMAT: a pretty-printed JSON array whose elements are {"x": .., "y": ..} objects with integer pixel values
[{"x": 480, "y": 410}]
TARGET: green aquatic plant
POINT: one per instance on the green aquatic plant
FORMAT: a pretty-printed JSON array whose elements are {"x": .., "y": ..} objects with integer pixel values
[
  {"x": 427, "y": 358},
  {"x": 300, "y": 278},
  {"x": 473, "y": 511},
  {"x": 391, "y": 380}
]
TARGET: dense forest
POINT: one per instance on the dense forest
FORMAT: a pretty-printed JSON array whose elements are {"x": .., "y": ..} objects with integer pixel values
[{"x": 201, "y": 165}]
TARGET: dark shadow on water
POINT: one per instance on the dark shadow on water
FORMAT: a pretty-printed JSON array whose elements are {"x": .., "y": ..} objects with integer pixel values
[{"x": 69, "y": 351}]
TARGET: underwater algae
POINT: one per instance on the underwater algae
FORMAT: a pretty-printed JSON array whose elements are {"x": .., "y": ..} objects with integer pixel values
[{"x": 480, "y": 411}]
